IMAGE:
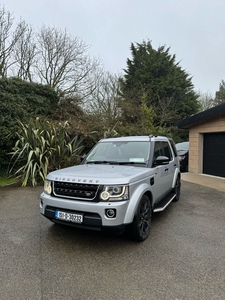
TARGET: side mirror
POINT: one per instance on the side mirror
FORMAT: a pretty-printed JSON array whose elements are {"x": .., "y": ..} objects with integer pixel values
[{"x": 161, "y": 160}]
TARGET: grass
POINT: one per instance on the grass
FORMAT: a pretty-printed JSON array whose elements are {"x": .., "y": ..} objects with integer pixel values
[{"x": 7, "y": 181}]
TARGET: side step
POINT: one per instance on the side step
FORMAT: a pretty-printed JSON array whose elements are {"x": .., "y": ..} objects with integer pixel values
[{"x": 164, "y": 203}]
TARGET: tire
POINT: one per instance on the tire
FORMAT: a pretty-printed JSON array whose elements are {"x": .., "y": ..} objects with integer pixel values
[
  {"x": 176, "y": 189},
  {"x": 142, "y": 220}
]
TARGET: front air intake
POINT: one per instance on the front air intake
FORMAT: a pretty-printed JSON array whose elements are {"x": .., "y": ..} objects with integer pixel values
[{"x": 74, "y": 190}]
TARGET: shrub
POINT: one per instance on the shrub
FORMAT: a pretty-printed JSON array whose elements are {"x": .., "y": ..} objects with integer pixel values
[
  {"x": 20, "y": 100},
  {"x": 42, "y": 147}
]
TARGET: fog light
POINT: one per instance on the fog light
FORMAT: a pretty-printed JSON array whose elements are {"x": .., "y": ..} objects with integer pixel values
[
  {"x": 110, "y": 213},
  {"x": 42, "y": 202}
]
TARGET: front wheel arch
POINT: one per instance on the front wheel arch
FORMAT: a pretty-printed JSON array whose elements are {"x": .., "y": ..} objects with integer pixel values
[{"x": 140, "y": 227}]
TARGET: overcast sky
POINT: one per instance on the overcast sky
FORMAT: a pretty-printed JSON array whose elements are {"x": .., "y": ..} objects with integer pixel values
[{"x": 193, "y": 29}]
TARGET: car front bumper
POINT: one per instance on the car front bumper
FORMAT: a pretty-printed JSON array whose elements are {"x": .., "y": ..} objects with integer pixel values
[{"x": 94, "y": 214}]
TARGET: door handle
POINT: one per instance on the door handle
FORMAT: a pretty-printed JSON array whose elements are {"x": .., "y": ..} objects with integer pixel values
[{"x": 166, "y": 169}]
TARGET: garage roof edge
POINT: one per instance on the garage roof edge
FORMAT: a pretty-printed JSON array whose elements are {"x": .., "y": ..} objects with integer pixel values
[{"x": 202, "y": 116}]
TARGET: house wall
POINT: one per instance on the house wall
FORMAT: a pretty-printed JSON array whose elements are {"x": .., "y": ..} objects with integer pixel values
[{"x": 196, "y": 141}]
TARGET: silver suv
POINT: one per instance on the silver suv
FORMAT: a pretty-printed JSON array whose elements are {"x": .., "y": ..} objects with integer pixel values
[{"x": 119, "y": 184}]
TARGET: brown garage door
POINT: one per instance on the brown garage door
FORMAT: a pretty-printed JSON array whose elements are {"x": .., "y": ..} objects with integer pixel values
[{"x": 214, "y": 154}]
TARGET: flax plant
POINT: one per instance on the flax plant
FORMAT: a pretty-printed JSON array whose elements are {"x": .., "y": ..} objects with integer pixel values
[{"x": 42, "y": 147}]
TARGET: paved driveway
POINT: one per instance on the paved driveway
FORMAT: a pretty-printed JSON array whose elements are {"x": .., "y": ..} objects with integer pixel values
[{"x": 183, "y": 258}]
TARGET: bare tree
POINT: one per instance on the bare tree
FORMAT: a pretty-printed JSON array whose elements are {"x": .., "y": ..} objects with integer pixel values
[
  {"x": 50, "y": 56},
  {"x": 206, "y": 101},
  {"x": 104, "y": 100},
  {"x": 8, "y": 39},
  {"x": 64, "y": 64},
  {"x": 168, "y": 110},
  {"x": 24, "y": 54}
]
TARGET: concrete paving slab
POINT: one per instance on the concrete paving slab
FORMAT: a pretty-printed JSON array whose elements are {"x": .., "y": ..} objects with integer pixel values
[{"x": 214, "y": 182}]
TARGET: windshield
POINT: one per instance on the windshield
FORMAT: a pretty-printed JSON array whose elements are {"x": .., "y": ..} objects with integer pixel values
[
  {"x": 182, "y": 146},
  {"x": 119, "y": 152}
]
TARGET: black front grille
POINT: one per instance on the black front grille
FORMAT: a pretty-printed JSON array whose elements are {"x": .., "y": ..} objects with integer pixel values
[{"x": 75, "y": 190}]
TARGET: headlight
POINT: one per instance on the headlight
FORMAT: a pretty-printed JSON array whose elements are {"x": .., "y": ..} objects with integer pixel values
[
  {"x": 47, "y": 187},
  {"x": 181, "y": 157},
  {"x": 115, "y": 193}
]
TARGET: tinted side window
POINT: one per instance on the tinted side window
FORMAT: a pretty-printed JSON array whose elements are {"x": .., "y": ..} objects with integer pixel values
[
  {"x": 167, "y": 150},
  {"x": 162, "y": 149},
  {"x": 158, "y": 150},
  {"x": 173, "y": 147}
]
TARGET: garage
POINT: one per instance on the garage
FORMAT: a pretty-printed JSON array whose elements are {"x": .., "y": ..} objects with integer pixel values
[
  {"x": 206, "y": 141},
  {"x": 214, "y": 154}
]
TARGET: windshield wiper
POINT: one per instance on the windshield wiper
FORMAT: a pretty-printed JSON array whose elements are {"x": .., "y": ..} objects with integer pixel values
[
  {"x": 101, "y": 162},
  {"x": 131, "y": 163}
]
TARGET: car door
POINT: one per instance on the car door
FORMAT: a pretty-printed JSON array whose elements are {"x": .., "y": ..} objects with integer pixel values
[
  {"x": 163, "y": 173},
  {"x": 170, "y": 167}
]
